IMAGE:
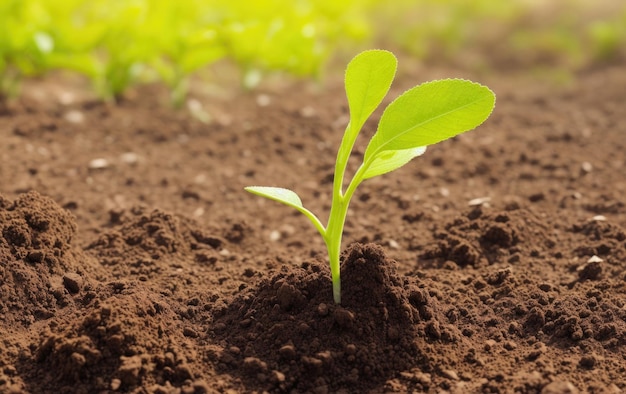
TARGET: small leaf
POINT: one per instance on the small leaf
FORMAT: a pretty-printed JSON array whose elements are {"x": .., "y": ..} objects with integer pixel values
[
  {"x": 430, "y": 113},
  {"x": 279, "y": 194},
  {"x": 290, "y": 198},
  {"x": 368, "y": 78},
  {"x": 388, "y": 161}
]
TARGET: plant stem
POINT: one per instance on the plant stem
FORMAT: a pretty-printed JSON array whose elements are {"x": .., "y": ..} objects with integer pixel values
[
  {"x": 333, "y": 235},
  {"x": 338, "y": 211},
  {"x": 334, "y": 230}
]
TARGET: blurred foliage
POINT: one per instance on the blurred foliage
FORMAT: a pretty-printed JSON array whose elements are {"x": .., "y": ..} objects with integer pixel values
[
  {"x": 569, "y": 34},
  {"x": 118, "y": 43}
]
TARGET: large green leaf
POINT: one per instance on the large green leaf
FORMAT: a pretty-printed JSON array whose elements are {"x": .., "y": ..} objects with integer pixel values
[
  {"x": 367, "y": 81},
  {"x": 388, "y": 161},
  {"x": 430, "y": 113}
]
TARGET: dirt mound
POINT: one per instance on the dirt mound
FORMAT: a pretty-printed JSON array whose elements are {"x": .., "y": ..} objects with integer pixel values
[
  {"x": 151, "y": 244},
  {"x": 39, "y": 270},
  {"x": 496, "y": 277},
  {"x": 120, "y": 334},
  {"x": 480, "y": 238},
  {"x": 128, "y": 337},
  {"x": 139, "y": 237},
  {"x": 564, "y": 315},
  {"x": 287, "y": 334}
]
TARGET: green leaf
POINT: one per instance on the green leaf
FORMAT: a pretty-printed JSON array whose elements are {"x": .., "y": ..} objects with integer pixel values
[
  {"x": 390, "y": 160},
  {"x": 279, "y": 194},
  {"x": 290, "y": 198},
  {"x": 368, "y": 79},
  {"x": 430, "y": 113}
]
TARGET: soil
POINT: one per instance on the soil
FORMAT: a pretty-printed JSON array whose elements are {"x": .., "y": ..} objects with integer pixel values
[{"x": 131, "y": 259}]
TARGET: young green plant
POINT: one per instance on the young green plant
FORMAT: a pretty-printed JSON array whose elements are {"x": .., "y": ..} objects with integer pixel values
[{"x": 421, "y": 116}]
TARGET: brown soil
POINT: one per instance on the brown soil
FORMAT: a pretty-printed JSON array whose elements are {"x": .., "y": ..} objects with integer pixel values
[{"x": 131, "y": 260}]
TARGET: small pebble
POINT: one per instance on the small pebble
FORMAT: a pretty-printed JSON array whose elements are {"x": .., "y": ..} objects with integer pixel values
[
  {"x": 115, "y": 384},
  {"x": 450, "y": 374},
  {"x": 97, "y": 164},
  {"x": 194, "y": 105},
  {"x": 74, "y": 116},
  {"x": 586, "y": 167},
  {"x": 263, "y": 100},
  {"x": 66, "y": 98},
  {"x": 275, "y": 235},
  {"x": 129, "y": 157},
  {"x": 594, "y": 259},
  {"x": 478, "y": 201},
  {"x": 308, "y": 112},
  {"x": 200, "y": 179}
]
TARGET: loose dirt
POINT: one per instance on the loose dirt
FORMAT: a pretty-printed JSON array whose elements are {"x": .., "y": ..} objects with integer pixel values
[{"x": 131, "y": 259}]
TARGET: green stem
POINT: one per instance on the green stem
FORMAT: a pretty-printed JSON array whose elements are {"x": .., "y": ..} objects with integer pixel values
[
  {"x": 334, "y": 230},
  {"x": 316, "y": 222},
  {"x": 338, "y": 211}
]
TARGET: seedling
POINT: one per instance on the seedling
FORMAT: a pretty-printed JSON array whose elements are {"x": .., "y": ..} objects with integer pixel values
[{"x": 421, "y": 116}]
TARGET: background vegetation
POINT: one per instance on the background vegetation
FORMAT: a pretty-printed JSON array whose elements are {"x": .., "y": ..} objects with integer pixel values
[{"x": 119, "y": 43}]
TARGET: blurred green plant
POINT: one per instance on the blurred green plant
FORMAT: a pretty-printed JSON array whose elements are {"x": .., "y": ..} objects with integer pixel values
[
  {"x": 24, "y": 45},
  {"x": 607, "y": 37},
  {"x": 568, "y": 34},
  {"x": 120, "y": 43}
]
